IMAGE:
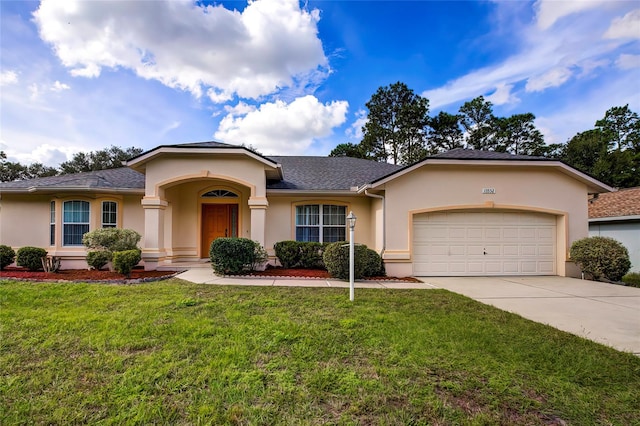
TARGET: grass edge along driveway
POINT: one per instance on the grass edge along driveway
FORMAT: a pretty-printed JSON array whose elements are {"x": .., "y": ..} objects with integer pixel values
[{"x": 178, "y": 353}]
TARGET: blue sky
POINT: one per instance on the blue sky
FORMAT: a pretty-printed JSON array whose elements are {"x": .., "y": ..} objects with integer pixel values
[{"x": 289, "y": 77}]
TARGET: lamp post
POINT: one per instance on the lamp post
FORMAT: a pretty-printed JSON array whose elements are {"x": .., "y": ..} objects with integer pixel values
[{"x": 351, "y": 221}]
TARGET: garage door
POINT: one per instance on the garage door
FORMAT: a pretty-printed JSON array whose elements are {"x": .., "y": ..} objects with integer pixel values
[{"x": 484, "y": 243}]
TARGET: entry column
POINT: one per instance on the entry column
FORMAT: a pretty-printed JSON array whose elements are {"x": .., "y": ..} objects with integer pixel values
[
  {"x": 258, "y": 206},
  {"x": 154, "y": 250}
]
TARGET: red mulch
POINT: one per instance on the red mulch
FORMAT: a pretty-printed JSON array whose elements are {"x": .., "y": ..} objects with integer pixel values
[
  {"x": 81, "y": 275},
  {"x": 141, "y": 274}
]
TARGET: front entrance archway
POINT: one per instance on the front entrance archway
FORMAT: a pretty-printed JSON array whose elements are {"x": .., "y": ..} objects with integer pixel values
[{"x": 218, "y": 220}]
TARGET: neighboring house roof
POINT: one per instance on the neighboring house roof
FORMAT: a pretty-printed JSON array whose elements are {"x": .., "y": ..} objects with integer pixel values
[
  {"x": 621, "y": 203},
  {"x": 120, "y": 179},
  {"x": 328, "y": 173}
]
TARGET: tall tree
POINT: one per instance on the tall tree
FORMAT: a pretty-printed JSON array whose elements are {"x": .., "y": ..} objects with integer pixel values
[
  {"x": 108, "y": 158},
  {"x": 622, "y": 128},
  {"x": 348, "y": 150},
  {"x": 476, "y": 117},
  {"x": 395, "y": 127},
  {"x": 445, "y": 133},
  {"x": 518, "y": 135},
  {"x": 11, "y": 171}
]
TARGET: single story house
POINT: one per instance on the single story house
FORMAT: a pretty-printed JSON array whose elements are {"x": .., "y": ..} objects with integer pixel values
[
  {"x": 617, "y": 215},
  {"x": 462, "y": 212}
]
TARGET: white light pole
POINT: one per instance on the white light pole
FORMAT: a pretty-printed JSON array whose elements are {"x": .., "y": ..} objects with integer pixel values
[{"x": 351, "y": 221}]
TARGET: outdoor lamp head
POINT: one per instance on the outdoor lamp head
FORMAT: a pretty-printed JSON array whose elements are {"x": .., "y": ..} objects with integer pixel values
[{"x": 351, "y": 218}]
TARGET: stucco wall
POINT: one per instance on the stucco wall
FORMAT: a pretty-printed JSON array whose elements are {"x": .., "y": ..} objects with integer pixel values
[
  {"x": 281, "y": 217},
  {"x": 452, "y": 187},
  {"x": 24, "y": 220},
  {"x": 627, "y": 233}
]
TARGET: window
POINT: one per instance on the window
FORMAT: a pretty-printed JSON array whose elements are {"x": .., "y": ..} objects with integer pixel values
[
  {"x": 323, "y": 223},
  {"x": 220, "y": 193},
  {"x": 109, "y": 214},
  {"x": 52, "y": 224},
  {"x": 75, "y": 222}
]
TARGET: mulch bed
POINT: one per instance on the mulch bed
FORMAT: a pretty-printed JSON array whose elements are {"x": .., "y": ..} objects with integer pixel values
[
  {"x": 140, "y": 275},
  {"x": 84, "y": 275}
]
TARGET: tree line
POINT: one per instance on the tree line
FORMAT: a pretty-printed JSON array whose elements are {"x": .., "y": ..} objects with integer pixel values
[
  {"x": 400, "y": 130},
  {"x": 108, "y": 158}
]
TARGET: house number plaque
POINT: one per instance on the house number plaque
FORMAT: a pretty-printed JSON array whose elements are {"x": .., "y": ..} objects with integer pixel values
[{"x": 488, "y": 190}]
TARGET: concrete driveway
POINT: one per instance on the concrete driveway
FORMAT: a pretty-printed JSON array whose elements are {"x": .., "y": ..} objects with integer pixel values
[{"x": 605, "y": 313}]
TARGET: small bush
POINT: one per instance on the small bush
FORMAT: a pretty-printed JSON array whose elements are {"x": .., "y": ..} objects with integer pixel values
[
  {"x": 125, "y": 261},
  {"x": 112, "y": 239},
  {"x": 336, "y": 260},
  {"x": 373, "y": 266},
  {"x": 98, "y": 258},
  {"x": 632, "y": 279},
  {"x": 30, "y": 257},
  {"x": 311, "y": 255},
  {"x": 601, "y": 257},
  {"x": 288, "y": 252},
  {"x": 7, "y": 256},
  {"x": 231, "y": 256}
]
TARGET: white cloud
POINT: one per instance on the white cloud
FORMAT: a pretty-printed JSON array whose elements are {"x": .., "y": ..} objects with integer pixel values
[
  {"x": 256, "y": 52},
  {"x": 282, "y": 128},
  {"x": 626, "y": 61},
  {"x": 626, "y": 27},
  {"x": 355, "y": 130},
  {"x": 552, "y": 78},
  {"x": 59, "y": 87},
  {"x": 550, "y": 11},
  {"x": 34, "y": 91},
  {"x": 8, "y": 77},
  {"x": 502, "y": 95}
]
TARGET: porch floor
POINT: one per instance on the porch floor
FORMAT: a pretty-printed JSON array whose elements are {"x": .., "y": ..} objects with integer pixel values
[{"x": 184, "y": 265}]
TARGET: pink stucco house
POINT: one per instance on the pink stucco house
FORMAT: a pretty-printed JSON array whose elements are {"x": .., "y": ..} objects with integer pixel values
[{"x": 462, "y": 212}]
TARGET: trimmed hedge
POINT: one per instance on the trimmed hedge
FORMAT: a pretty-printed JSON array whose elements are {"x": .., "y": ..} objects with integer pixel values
[
  {"x": 31, "y": 257},
  {"x": 232, "y": 256},
  {"x": 124, "y": 261},
  {"x": 601, "y": 257},
  {"x": 632, "y": 279},
  {"x": 97, "y": 259},
  {"x": 300, "y": 254},
  {"x": 112, "y": 239},
  {"x": 7, "y": 256},
  {"x": 367, "y": 263}
]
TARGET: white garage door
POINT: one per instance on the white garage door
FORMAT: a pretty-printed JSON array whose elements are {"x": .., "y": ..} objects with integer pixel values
[{"x": 484, "y": 243}]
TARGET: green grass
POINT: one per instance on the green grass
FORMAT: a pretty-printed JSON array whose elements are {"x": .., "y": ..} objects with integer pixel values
[{"x": 178, "y": 353}]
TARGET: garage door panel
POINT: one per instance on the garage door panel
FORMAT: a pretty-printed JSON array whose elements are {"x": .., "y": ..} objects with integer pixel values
[{"x": 484, "y": 243}]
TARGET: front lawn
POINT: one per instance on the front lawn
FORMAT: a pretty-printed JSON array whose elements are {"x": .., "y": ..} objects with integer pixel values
[{"x": 178, "y": 353}]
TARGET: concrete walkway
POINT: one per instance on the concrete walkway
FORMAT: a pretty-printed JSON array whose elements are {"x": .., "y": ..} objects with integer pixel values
[
  {"x": 605, "y": 313},
  {"x": 206, "y": 276}
]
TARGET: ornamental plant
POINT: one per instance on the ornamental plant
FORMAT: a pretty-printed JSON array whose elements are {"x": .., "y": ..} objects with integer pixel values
[
  {"x": 367, "y": 263},
  {"x": 7, "y": 256},
  {"x": 232, "y": 256},
  {"x": 124, "y": 261},
  {"x": 107, "y": 241},
  {"x": 30, "y": 257},
  {"x": 601, "y": 257}
]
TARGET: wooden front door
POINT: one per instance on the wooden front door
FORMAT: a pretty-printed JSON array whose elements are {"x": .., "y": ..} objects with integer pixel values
[{"x": 216, "y": 223}]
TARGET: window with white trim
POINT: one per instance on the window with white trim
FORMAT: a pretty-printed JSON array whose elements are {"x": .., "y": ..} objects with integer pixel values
[
  {"x": 324, "y": 223},
  {"x": 109, "y": 214},
  {"x": 52, "y": 224},
  {"x": 75, "y": 222}
]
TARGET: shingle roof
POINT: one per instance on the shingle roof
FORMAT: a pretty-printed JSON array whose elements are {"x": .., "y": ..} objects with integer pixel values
[
  {"x": 476, "y": 154},
  {"x": 120, "y": 178},
  {"x": 624, "y": 202},
  {"x": 328, "y": 173}
]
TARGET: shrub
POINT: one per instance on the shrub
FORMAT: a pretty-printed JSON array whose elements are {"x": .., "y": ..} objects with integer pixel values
[
  {"x": 288, "y": 252},
  {"x": 98, "y": 258},
  {"x": 231, "y": 256},
  {"x": 632, "y": 279},
  {"x": 31, "y": 257},
  {"x": 7, "y": 256},
  {"x": 373, "y": 266},
  {"x": 112, "y": 239},
  {"x": 311, "y": 255},
  {"x": 124, "y": 261},
  {"x": 601, "y": 257},
  {"x": 336, "y": 260}
]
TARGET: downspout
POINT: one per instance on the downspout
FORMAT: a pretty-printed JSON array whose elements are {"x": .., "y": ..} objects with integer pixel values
[{"x": 384, "y": 219}]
